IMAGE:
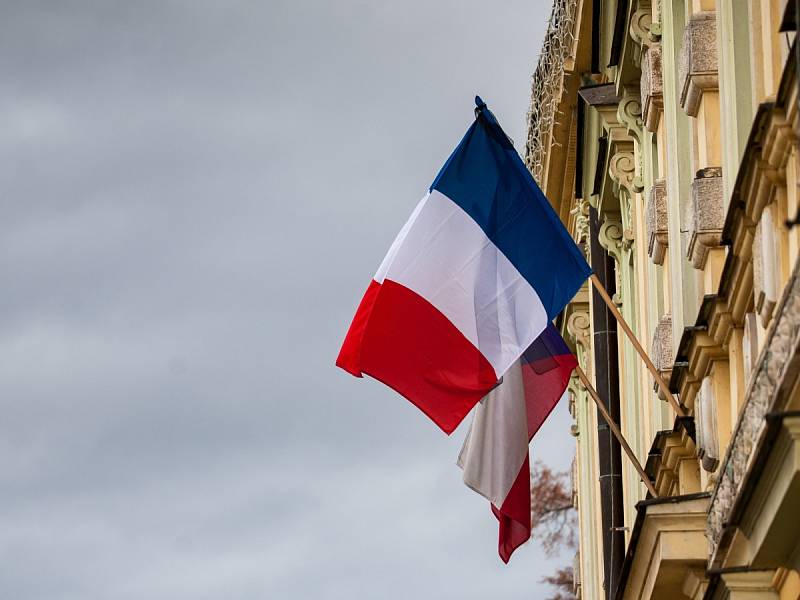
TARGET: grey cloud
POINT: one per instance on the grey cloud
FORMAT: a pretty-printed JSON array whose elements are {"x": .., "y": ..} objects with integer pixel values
[{"x": 195, "y": 195}]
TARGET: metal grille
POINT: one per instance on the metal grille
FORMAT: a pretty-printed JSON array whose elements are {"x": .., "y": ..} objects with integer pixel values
[{"x": 546, "y": 86}]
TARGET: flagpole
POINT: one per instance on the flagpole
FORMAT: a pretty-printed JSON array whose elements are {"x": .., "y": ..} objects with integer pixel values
[
  {"x": 615, "y": 430},
  {"x": 650, "y": 366}
]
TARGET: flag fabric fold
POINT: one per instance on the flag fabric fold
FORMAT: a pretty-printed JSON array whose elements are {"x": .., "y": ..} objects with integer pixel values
[
  {"x": 473, "y": 278},
  {"x": 494, "y": 456}
]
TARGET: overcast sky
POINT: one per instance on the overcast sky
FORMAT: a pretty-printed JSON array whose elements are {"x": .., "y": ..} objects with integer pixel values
[{"x": 195, "y": 195}]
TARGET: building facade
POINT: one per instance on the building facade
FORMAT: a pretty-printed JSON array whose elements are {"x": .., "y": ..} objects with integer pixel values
[{"x": 665, "y": 133}]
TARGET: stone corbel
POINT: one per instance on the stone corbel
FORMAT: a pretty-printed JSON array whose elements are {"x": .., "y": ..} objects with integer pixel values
[
  {"x": 657, "y": 217},
  {"x": 651, "y": 87},
  {"x": 661, "y": 351},
  {"x": 707, "y": 215},
  {"x": 698, "y": 68}
]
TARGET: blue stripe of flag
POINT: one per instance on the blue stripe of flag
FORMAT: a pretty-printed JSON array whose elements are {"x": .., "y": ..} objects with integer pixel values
[{"x": 486, "y": 177}]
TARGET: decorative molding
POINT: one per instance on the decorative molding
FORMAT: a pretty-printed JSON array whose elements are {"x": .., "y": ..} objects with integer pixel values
[
  {"x": 657, "y": 222},
  {"x": 651, "y": 87},
  {"x": 698, "y": 68},
  {"x": 762, "y": 395},
  {"x": 707, "y": 215}
]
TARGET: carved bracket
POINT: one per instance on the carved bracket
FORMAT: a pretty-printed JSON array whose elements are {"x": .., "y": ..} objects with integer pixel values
[
  {"x": 622, "y": 169},
  {"x": 579, "y": 327},
  {"x": 629, "y": 113},
  {"x": 616, "y": 240}
]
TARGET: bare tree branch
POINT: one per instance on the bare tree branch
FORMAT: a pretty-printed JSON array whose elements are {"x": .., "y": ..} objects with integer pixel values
[
  {"x": 553, "y": 519},
  {"x": 554, "y": 523}
]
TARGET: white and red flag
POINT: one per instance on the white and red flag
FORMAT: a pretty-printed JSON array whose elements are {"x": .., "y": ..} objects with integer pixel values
[{"x": 495, "y": 452}]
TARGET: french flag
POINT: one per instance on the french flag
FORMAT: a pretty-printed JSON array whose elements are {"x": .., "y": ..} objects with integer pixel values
[
  {"x": 476, "y": 274},
  {"x": 494, "y": 456}
]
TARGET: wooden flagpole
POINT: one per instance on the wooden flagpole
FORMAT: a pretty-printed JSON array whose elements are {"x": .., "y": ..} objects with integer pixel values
[
  {"x": 650, "y": 366},
  {"x": 615, "y": 430}
]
